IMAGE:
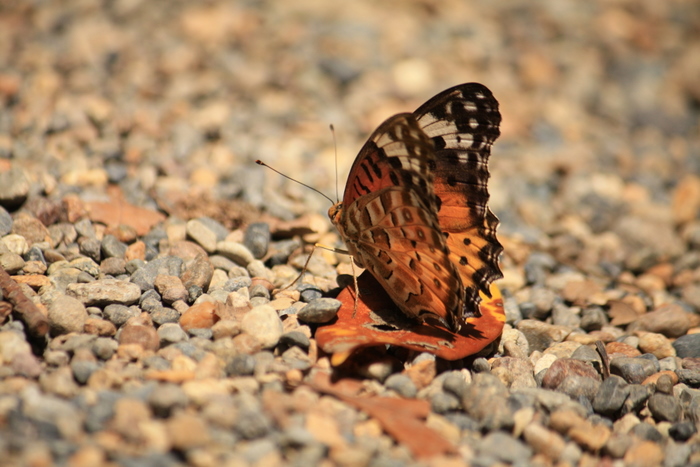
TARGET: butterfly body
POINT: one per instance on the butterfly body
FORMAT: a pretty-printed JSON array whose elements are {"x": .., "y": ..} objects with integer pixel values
[{"x": 414, "y": 208}]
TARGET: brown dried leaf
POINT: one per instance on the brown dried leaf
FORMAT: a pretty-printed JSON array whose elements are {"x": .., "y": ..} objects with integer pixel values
[
  {"x": 378, "y": 322},
  {"x": 402, "y": 419}
]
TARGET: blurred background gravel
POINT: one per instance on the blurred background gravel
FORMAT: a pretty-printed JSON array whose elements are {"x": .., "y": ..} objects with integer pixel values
[{"x": 596, "y": 174}]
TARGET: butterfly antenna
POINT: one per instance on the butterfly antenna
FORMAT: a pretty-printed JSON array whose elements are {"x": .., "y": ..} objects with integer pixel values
[
  {"x": 335, "y": 149},
  {"x": 259, "y": 162}
]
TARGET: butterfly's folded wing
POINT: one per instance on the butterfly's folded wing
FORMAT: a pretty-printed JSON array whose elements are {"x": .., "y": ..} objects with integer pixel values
[
  {"x": 405, "y": 251},
  {"x": 463, "y": 122},
  {"x": 389, "y": 221}
]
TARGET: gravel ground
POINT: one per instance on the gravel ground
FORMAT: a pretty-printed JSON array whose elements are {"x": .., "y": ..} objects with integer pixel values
[{"x": 133, "y": 217}]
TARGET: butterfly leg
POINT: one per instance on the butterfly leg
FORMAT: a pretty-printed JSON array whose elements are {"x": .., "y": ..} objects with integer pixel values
[
  {"x": 357, "y": 287},
  {"x": 329, "y": 248}
]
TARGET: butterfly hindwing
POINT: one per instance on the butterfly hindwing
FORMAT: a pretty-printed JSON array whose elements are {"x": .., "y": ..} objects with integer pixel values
[{"x": 463, "y": 122}]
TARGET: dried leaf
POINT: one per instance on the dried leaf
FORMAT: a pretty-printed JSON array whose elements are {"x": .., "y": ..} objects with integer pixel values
[
  {"x": 119, "y": 211},
  {"x": 402, "y": 419},
  {"x": 378, "y": 322}
]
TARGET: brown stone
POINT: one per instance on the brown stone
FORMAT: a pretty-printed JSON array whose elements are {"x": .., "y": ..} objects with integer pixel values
[
  {"x": 198, "y": 272},
  {"x": 31, "y": 229},
  {"x": 200, "y": 316},
  {"x": 621, "y": 348},
  {"x": 100, "y": 327},
  {"x": 565, "y": 367},
  {"x": 589, "y": 436},
  {"x": 686, "y": 199},
  {"x": 644, "y": 454},
  {"x": 655, "y": 377},
  {"x": 124, "y": 233},
  {"x": 422, "y": 373},
  {"x": 621, "y": 313},
  {"x": 656, "y": 344},
  {"x": 35, "y": 281},
  {"x": 145, "y": 336},
  {"x": 579, "y": 292},
  {"x": 187, "y": 431},
  {"x": 670, "y": 320},
  {"x": 136, "y": 250},
  {"x": 170, "y": 288}
]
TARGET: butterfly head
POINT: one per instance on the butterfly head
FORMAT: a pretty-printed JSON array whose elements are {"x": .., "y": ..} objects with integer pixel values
[{"x": 334, "y": 212}]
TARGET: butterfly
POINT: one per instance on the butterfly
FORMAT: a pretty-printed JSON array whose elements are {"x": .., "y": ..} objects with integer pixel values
[{"x": 414, "y": 210}]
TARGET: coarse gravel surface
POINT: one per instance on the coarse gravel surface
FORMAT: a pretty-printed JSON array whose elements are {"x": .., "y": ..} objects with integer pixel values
[{"x": 133, "y": 216}]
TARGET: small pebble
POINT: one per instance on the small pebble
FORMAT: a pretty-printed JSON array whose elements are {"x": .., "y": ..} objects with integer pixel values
[
  {"x": 403, "y": 385},
  {"x": 66, "y": 315},
  {"x": 257, "y": 238},
  {"x": 170, "y": 333},
  {"x": 105, "y": 292},
  {"x": 320, "y": 310},
  {"x": 263, "y": 323}
]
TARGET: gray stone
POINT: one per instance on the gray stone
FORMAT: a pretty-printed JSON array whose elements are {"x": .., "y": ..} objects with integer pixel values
[
  {"x": 320, "y": 310},
  {"x": 150, "y": 301},
  {"x": 454, "y": 383},
  {"x": 163, "y": 315},
  {"x": 682, "y": 431},
  {"x": 5, "y": 222},
  {"x": 112, "y": 247},
  {"x": 257, "y": 238},
  {"x": 240, "y": 365},
  {"x": 90, "y": 247},
  {"x": 403, "y": 385},
  {"x": 104, "y": 347},
  {"x": 294, "y": 338},
  {"x": 252, "y": 423},
  {"x": 237, "y": 283},
  {"x": 485, "y": 400},
  {"x": 105, "y": 292},
  {"x": 664, "y": 407},
  {"x": 633, "y": 369},
  {"x": 541, "y": 335},
  {"x": 166, "y": 398},
  {"x": 444, "y": 402},
  {"x": 593, "y": 319},
  {"x": 610, "y": 397},
  {"x": 689, "y": 377},
  {"x": 504, "y": 447},
  {"x": 543, "y": 300},
  {"x": 688, "y": 346},
  {"x": 259, "y": 290},
  {"x": 145, "y": 276},
  {"x": 647, "y": 432},
  {"x": 82, "y": 369},
  {"x": 120, "y": 314},
  {"x": 295, "y": 358},
  {"x": 84, "y": 228},
  {"x": 170, "y": 333},
  {"x": 86, "y": 265},
  {"x": 236, "y": 252},
  {"x": 309, "y": 293}
]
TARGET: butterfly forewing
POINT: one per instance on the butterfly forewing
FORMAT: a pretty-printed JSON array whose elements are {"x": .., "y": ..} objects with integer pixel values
[
  {"x": 390, "y": 225},
  {"x": 463, "y": 122}
]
